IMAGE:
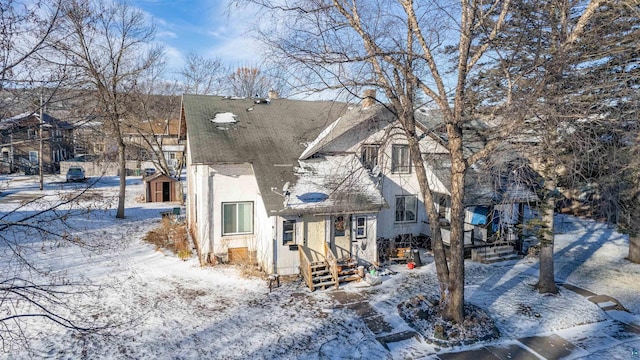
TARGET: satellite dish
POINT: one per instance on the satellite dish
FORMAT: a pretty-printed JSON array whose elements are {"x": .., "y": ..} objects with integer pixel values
[
  {"x": 375, "y": 171},
  {"x": 285, "y": 188}
]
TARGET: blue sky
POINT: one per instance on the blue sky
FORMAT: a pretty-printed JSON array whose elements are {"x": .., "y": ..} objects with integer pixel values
[{"x": 208, "y": 28}]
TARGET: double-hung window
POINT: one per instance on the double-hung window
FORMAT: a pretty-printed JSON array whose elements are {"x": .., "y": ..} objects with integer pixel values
[
  {"x": 288, "y": 232},
  {"x": 237, "y": 218},
  {"x": 369, "y": 155},
  {"x": 406, "y": 208},
  {"x": 361, "y": 227},
  {"x": 400, "y": 162},
  {"x": 33, "y": 157}
]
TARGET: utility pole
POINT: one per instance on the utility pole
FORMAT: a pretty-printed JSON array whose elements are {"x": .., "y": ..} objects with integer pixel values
[{"x": 40, "y": 162}]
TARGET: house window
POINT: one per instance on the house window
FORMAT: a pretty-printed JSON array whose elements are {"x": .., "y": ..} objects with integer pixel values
[
  {"x": 237, "y": 218},
  {"x": 400, "y": 159},
  {"x": 288, "y": 232},
  {"x": 406, "y": 208},
  {"x": 33, "y": 157},
  {"x": 361, "y": 227},
  {"x": 31, "y": 133},
  {"x": 369, "y": 156},
  {"x": 442, "y": 208}
]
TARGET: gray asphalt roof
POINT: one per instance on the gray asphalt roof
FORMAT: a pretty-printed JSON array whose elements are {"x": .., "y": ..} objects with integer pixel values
[
  {"x": 269, "y": 136},
  {"x": 16, "y": 120}
]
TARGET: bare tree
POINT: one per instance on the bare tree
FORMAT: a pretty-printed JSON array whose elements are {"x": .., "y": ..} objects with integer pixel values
[
  {"x": 415, "y": 52},
  {"x": 202, "y": 76},
  {"x": 108, "y": 47},
  {"x": 396, "y": 47},
  {"x": 154, "y": 115},
  {"x": 249, "y": 81}
]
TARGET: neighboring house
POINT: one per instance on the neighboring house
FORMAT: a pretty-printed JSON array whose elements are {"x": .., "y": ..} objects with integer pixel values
[
  {"x": 90, "y": 139},
  {"x": 20, "y": 143},
  {"x": 289, "y": 183},
  {"x": 158, "y": 137}
]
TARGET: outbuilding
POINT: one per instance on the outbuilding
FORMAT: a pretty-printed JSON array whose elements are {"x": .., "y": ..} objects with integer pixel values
[{"x": 161, "y": 188}]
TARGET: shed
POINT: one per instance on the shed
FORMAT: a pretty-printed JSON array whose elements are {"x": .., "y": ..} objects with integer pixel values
[{"x": 161, "y": 188}]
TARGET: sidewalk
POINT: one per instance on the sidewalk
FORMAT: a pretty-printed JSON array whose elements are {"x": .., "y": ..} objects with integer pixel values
[{"x": 616, "y": 338}]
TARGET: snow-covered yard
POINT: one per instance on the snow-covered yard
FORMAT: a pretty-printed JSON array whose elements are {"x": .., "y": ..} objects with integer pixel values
[{"x": 161, "y": 307}]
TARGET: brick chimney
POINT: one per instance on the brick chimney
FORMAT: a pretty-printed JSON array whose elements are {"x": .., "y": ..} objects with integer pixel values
[
  {"x": 273, "y": 95},
  {"x": 368, "y": 98}
]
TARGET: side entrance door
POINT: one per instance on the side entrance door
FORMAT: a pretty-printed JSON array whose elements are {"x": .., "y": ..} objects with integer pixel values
[{"x": 314, "y": 236}]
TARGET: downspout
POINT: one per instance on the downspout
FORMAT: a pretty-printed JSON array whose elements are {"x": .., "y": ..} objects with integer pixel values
[
  {"x": 274, "y": 257},
  {"x": 210, "y": 257}
]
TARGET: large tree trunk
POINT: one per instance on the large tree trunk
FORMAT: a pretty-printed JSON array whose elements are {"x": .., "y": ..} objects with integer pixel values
[
  {"x": 455, "y": 303},
  {"x": 123, "y": 179},
  {"x": 440, "y": 257},
  {"x": 546, "y": 281}
]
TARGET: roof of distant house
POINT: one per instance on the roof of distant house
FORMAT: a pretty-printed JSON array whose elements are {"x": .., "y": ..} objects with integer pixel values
[
  {"x": 18, "y": 120},
  {"x": 158, "y": 127}
]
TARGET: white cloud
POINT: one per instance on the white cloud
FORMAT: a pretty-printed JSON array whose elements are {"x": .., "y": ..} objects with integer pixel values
[{"x": 166, "y": 35}]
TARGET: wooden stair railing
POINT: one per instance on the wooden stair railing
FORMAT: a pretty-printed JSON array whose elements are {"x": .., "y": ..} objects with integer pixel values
[
  {"x": 305, "y": 267},
  {"x": 332, "y": 261}
]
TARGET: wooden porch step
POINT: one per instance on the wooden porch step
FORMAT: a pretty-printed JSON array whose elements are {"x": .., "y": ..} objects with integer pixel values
[
  {"x": 495, "y": 259},
  {"x": 350, "y": 271},
  {"x": 319, "y": 272},
  {"x": 322, "y": 278},
  {"x": 347, "y": 278},
  {"x": 324, "y": 284},
  {"x": 318, "y": 265},
  {"x": 494, "y": 254}
]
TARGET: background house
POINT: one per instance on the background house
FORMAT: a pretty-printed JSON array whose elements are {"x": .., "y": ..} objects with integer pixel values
[
  {"x": 155, "y": 138},
  {"x": 20, "y": 143}
]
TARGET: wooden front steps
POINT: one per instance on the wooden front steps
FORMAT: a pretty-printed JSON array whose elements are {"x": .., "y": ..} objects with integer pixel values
[
  {"x": 493, "y": 254},
  {"x": 322, "y": 278},
  {"x": 347, "y": 271}
]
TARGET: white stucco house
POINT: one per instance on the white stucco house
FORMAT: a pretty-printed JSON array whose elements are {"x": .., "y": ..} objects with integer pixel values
[{"x": 288, "y": 183}]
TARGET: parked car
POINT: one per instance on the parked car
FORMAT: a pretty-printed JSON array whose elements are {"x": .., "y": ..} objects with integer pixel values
[
  {"x": 75, "y": 173},
  {"x": 149, "y": 172}
]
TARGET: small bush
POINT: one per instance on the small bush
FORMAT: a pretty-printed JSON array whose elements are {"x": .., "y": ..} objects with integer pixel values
[{"x": 171, "y": 236}]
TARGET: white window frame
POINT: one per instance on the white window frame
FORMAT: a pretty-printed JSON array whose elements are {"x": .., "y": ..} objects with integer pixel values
[
  {"x": 400, "y": 159},
  {"x": 291, "y": 232},
  {"x": 227, "y": 232},
  {"x": 361, "y": 229},
  {"x": 401, "y": 201}
]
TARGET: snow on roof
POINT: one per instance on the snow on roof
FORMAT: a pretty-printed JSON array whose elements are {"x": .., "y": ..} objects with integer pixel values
[
  {"x": 225, "y": 118},
  {"x": 334, "y": 184}
]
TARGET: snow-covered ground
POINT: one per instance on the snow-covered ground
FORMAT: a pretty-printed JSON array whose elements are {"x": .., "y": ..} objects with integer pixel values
[{"x": 157, "y": 306}]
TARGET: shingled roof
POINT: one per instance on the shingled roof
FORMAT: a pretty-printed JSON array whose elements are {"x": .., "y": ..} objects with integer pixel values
[{"x": 269, "y": 135}]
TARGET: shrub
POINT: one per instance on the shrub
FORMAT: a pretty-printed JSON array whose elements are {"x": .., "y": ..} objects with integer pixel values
[{"x": 171, "y": 236}]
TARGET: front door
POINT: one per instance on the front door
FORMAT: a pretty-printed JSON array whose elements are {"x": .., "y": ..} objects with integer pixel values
[
  {"x": 341, "y": 236},
  {"x": 314, "y": 236}
]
